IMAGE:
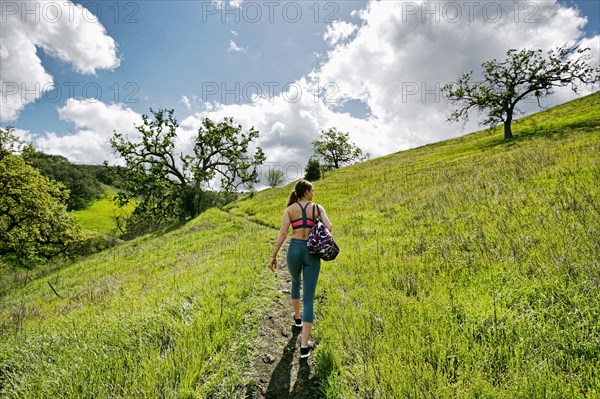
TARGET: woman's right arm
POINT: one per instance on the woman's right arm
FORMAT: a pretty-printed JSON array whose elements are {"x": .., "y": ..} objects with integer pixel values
[
  {"x": 283, "y": 232},
  {"x": 325, "y": 219}
]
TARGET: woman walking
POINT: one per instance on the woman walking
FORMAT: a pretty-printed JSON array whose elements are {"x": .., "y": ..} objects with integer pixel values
[{"x": 299, "y": 214}]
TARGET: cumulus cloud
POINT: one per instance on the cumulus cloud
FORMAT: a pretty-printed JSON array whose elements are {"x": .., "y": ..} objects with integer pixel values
[
  {"x": 394, "y": 59},
  {"x": 185, "y": 100},
  {"x": 338, "y": 31},
  {"x": 192, "y": 102},
  {"x": 94, "y": 124},
  {"x": 64, "y": 30},
  {"x": 405, "y": 52},
  {"x": 24, "y": 136},
  {"x": 288, "y": 123},
  {"x": 395, "y": 64}
]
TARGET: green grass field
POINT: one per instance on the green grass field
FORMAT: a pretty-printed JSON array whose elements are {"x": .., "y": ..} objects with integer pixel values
[
  {"x": 469, "y": 269},
  {"x": 164, "y": 316},
  {"x": 100, "y": 215}
]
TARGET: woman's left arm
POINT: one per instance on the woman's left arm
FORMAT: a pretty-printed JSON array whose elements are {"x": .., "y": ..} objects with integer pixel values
[{"x": 283, "y": 232}]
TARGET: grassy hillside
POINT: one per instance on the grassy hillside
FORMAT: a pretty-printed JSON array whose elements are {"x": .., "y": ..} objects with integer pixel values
[
  {"x": 469, "y": 268},
  {"x": 164, "y": 316},
  {"x": 100, "y": 215}
]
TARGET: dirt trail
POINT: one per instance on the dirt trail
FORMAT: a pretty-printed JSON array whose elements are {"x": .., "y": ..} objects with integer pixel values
[{"x": 277, "y": 367}]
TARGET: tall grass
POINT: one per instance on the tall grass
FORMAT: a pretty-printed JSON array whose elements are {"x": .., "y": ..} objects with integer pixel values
[
  {"x": 100, "y": 215},
  {"x": 469, "y": 268},
  {"x": 164, "y": 316}
]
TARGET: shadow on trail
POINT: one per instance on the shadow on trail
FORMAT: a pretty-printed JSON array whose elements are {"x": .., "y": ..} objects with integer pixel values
[{"x": 279, "y": 385}]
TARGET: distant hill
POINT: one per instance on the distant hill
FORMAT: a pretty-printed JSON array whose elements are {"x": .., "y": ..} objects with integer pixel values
[{"x": 82, "y": 183}]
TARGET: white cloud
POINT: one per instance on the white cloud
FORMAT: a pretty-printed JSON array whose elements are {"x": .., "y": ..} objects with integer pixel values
[
  {"x": 396, "y": 63},
  {"x": 236, "y": 3},
  {"x": 191, "y": 102},
  {"x": 338, "y": 31},
  {"x": 94, "y": 124},
  {"x": 185, "y": 100},
  {"x": 64, "y": 30},
  {"x": 593, "y": 43},
  {"x": 401, "y": 57},
  {"x": 222, "y": 4},
  {"x": 24, "y": 135},
  {"x": 219, "y": 3},
  {"x": 288, "y": 123},
  {"x": 233, "y": 47}
]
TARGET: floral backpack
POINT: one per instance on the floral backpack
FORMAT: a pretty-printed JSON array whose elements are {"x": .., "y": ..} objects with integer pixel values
[{"x": 320, "y": 242}]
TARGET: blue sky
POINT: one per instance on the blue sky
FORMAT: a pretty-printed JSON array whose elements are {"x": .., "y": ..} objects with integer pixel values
[
  {"x": 174, "y": 48},
  {"x": 369, "y": 68}
]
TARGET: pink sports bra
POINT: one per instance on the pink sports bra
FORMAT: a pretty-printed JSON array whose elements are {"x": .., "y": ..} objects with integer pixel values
[{"x": 304, "y": 221}]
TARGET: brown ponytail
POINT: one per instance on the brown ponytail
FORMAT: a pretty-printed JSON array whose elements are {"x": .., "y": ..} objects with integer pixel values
[
  {"x": 292, "y": 198},
  {"x": 301, "y": 187}
]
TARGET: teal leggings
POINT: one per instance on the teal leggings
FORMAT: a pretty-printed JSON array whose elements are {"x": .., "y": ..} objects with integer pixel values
[{"x": 300, "y": 261}]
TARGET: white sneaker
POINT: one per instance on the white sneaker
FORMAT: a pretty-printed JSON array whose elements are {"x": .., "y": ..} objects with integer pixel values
[
  {"x": 305, "y": 352},
  {"x": 297, "y": 322}
]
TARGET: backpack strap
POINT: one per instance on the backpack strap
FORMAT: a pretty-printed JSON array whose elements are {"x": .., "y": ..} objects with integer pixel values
[{"x": 318, "y": 213}]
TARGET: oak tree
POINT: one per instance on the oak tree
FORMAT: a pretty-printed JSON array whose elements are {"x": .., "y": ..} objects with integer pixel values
[
  {"x": 523, "y": 75},
  {"x": 335, "y": 149},
  {"x": 34, "y": 222},
  {"x": 171, "y": 186}
]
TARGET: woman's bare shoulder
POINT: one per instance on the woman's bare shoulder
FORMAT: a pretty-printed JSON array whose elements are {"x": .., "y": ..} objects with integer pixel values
[{"x": 289, "y": 209}]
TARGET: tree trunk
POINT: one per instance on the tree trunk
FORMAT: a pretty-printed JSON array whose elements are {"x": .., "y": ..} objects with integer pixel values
[{"x": 507, "y": 130}]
